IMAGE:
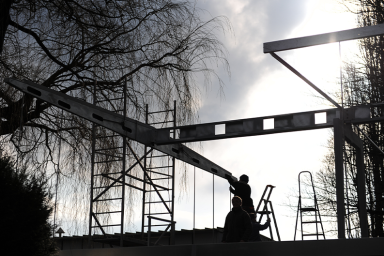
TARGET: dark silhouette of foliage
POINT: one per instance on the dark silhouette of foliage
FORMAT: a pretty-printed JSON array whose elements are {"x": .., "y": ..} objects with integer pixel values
[{"x": 25, "y": 212}]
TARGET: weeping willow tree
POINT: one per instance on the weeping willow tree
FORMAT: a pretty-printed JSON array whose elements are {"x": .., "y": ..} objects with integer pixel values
[
  {"x": 157, "y": 49},
  {"x": 363, "y": 84}
]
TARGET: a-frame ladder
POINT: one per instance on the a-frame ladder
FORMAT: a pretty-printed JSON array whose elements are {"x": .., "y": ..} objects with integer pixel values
[
  {"x": 311, "y": 212},
  {"x": 265, "y": 208}
]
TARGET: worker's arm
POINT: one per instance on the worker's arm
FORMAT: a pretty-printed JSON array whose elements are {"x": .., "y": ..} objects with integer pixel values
[{"x": 266, "y": 225}]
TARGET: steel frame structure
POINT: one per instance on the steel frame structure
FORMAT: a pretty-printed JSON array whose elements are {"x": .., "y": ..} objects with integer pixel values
[
  {"x": 161, "y": 168},
  {"x": 160, "y": 139}
]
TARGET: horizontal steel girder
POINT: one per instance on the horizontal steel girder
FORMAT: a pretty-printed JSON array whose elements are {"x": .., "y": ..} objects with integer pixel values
[
  {"x": 126, "y": 127},
  {"x": 255, "y": 126},
  {"x": 338, "y": 36}
]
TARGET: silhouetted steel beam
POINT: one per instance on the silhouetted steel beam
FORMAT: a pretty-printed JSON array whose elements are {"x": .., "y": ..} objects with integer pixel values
[
  {"x": 255, "y": 126},
  {"x": 339, "y": 36},
  {"x": 274, "y": 55},
  {"x": 125, "y": 126}
]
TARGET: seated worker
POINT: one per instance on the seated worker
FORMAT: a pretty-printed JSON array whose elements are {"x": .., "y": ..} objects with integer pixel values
[
  {"x": 256, "y": 227},
  {"x": 237, "y": 227},
  {"x": 242, "y": 190}
]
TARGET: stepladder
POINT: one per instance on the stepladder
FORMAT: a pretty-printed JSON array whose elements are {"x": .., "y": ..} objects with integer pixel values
[
  {"x": 310, "y": 218},
  {"x": 265, "y": 209}
]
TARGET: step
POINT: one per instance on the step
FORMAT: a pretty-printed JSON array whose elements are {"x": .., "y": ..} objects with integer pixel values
[
  {"x": 308, "y": 209},
  {"x": 320, "y": 234}
]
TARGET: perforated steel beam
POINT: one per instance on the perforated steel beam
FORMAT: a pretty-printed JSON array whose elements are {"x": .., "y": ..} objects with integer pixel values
[
  {"x": 125, "y": 126},
  {"x": 339, "y": 36},
  {"x": 256, "y": 126}
]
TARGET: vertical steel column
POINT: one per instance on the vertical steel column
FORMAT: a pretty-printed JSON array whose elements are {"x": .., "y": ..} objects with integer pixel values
[
  {"x": 123, "y": 169},
  {"x": 194, "y": 205},
  {"x": 361, "y": 191},
  {"x": 173, "y": 179},
  {"x": 338, "y": 149},
  {"x": 92, "y": 172},
  {"x": 144, "y": 179},
  {"x": 213, "y": 207}
]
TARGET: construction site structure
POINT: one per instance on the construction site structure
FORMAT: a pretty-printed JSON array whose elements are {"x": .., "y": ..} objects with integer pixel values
[
  {"x": 158, "y": 199},
  {"x": 312, "y": 212},
  {"x": 341, "y": 119},
  {"x": 108, "y": 166}
]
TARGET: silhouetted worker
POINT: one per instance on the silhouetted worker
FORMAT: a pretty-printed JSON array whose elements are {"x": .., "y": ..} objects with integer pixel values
[
  {"x": 256, "y": 227},
  {"x": 242, "y": 190},
  {"x": 237, "y": 227}
]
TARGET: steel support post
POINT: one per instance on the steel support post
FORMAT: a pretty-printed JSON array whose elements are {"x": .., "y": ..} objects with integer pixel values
[
  {"x": 172, "y": 242},
  {"x": 92, "y": 174},
  {"x": 357, "y": 143},
  {"x": 338, "y": 149},
  {"x": 123, "y": 171},
  {"x": 361, "y": 191},
  {"x": 144, "y": 181}
]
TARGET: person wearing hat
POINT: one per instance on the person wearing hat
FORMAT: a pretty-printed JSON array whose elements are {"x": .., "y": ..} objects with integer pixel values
[{"x": 242, "y": 190}]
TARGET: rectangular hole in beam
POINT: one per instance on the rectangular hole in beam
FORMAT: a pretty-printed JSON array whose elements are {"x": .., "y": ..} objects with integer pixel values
[
  {"x": 219, "y": 129},
  {"x": 321, "y": 118},
  {"x": 64, "y": 104},
  {"x": 34, "y": 91},
  {"x": 98, "y": 117},
  {"x": 268, "y": 124},
  {"x": 177, "y": 133}
]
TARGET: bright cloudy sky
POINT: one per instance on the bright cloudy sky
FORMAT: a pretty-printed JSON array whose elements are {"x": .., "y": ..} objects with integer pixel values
[{"x": 261, "y": 86}]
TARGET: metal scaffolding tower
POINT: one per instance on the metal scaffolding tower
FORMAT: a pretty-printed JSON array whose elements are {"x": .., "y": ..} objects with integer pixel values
[
  {"x": 108, "y": 167},
  {"x": 158, "y": 185}
]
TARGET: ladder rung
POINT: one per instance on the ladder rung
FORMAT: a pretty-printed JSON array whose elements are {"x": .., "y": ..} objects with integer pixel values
[
  {"x": 164, "y": 122},
  {"x": 308, "y": 209},
  {"x": 308, "y": 222},
  {"x": 110, "y": 199},
  {"x": 160, "y": 225},
  {"x": 158, "y": 213},
  {"x": 158, "y": 156},
  {"x": 161, "y": 178},
  {"x": 101, "y": 174},
  {"x": 105, "y": 149},
  {"x": 114, "y": 225},
  {"x": 160, "y": 167},
  {"x": 160, "y": 111},
  {"x": 160, "y": 173},
  {"x": 320, "y": 234},
  {"x": 158, "y": 190},
  {"x": 109, "y": 161},
  {"x": 106, "y": 212},
  {"x": 156, "y": 202},
  {"x": 263, "y": 212},
  {"x": 105, "y": 154},
  {"x": 107, "y": 187}
]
